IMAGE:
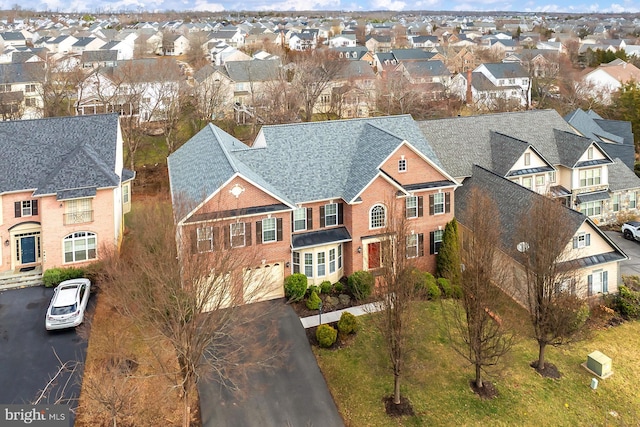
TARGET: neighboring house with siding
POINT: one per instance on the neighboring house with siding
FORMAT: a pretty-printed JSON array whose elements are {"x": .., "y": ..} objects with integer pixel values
[
  {"x": 63, "y": 191},
  {"x": 539, "y": 150},
  {"x": 595, "y": 257},
  {"x": 313, "y": 197}
]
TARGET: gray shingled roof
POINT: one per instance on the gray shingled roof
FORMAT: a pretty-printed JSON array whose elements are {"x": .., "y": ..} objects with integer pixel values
[
  {"x": 426, "y": 68},
  {"x": 461, "y": 142},
  {"x": 621, "y": 177},
  {"x": 513, "y": 202},
  {"x": 571, "y": 147},
  {"x": 614, "y": 136},
  {"x": 505, "y": 152},
  {"x": 301, "y": 162},
  {"x": 252, "y": 71},
  {"x": 505, "y": 70},
  {"x": 58, "y": 154},
  {"x": 22, "y": 72}
]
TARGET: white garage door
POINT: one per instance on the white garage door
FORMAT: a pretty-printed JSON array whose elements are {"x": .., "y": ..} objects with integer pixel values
[{"x": 264, "y": 283}]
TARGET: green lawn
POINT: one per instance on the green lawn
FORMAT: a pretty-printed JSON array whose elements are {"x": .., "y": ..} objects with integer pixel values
[{"x": 437, "y": 378}]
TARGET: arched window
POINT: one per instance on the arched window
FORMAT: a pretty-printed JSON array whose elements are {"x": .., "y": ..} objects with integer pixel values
[
  {"x": 377, "y": 217},
  {"x": 80, "y": 246}
]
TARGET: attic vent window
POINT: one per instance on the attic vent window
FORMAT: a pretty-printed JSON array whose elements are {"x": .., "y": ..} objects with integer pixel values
[
  {"x": 236, "y": 191},
  {"x": 402, "y": 165}
]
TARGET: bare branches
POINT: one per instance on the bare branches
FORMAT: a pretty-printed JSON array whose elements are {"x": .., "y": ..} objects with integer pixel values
[
  {"x": 483, "y": 338},
  {"x": 549, "y": 274}
]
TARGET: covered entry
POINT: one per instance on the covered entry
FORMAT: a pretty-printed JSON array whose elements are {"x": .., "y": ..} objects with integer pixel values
[{"x": 26, "y": 249}]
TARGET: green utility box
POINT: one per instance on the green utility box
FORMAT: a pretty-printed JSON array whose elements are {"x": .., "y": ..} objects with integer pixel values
[{"x": 599, "y": 364}]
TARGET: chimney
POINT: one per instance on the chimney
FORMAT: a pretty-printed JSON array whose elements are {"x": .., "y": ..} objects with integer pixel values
[{"x": 469, "y": 95}]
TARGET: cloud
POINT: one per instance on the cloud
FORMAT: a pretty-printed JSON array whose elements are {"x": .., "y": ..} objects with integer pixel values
[
  {"x": 205, "y": 6},
  {"x": 388, "y": 5}
]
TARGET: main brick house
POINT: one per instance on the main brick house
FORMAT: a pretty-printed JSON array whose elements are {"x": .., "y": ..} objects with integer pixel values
[
  {"x": 311, "y": 198},
  {"x": 63, "y": 191}
]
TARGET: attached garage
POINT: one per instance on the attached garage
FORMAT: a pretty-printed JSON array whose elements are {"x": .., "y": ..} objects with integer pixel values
[{"x": 263, "y": 283}]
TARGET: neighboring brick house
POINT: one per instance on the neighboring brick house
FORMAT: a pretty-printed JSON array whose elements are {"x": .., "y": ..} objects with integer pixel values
[
  {"x": 311, "y": 198},
  {"x": 63, "y": 191}
]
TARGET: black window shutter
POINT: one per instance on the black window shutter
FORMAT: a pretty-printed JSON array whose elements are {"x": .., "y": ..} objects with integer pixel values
[
  {"x": 247, "y": 233},
  {"x": 194, "y": 241},
  {"x": 18, "y": 209},
  {"x": 432, "y": 242},
  {"x": 587, "y": 239},
  {"x": 321, "y": 216},
  {"x": 258, "y": 232},
  {"x": 431, "y": 205},
  {"x": 215, "y": 237},
  {"x": 420, "y": 244},
  {"x": 309, "y": 218},
  {"x": 279, "y": 229},
  {"x": 340, "y": 213},
  {"x": 226, "y": 233},
  {"x": 420, "y": 206},
  {"x": 447, "y": 202},
  {"x": 34, "y": 207}
]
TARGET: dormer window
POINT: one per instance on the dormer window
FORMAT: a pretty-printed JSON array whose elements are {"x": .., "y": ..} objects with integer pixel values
[{"x": 402, "y": 165}]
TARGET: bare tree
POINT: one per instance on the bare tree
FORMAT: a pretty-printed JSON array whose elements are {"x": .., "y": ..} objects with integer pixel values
[
  {"x": 189, "y": 300},
  {"x": 313, "y": 74},
  {"x": 396, "y": 95},
  {"x": 397, "y": 288},
  {"x": 545, "y": 245},
  {"x": 475, "y": 328}
]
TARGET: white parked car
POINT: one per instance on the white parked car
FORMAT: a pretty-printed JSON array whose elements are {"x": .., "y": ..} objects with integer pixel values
[{"x": 68, "y": 304}]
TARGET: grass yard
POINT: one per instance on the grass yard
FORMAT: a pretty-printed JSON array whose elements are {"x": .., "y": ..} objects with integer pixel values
[{"x": 437, "y": 379}]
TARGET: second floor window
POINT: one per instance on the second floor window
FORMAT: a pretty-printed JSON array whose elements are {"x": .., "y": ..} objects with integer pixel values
[
  {"x": 78, "y": 211},
  {"x": 402, "y": 165},
  {"x": 582, "y": 240},
  {"x": 331, "y": 214},
  {"x": 438, "y": 203},
  {"x": 237, "y": 235},
  {"x": 300, "y": 219},
  {"x": 268, "y": 230},
  {"x": 26, "y": 208},
  {"x": 412, "y": 207},
  {"x": 377, "y": 217},
  {"x": 589, "y": 177},
  {"x": 204, "y": 239}
]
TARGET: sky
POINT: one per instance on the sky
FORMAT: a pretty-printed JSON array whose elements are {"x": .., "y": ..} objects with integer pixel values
[{"x": 550, "y": 6}]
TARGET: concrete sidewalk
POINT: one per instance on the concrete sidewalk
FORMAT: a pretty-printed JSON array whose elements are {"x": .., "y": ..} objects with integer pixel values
[{"x": 334, "y": 316}]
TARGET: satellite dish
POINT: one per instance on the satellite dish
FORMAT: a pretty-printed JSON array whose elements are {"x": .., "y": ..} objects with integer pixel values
[{"x": 522, "y": 247}]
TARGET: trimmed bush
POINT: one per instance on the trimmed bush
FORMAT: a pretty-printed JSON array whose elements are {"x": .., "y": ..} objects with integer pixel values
[
  {"x": 54, "y": 276},
  {"x": 628, "y": 303},
  {"x": 326, "y": 335},
  {"x": 348, "y": 323},
  {"x": 313, "y": 302},
  {"x": 361, "y": 284},
  {"x": 445, "y": 287},
  {"x": 325, "y": 287},
  {"x": 311, "y": 289},
  {"x": 338, "y": 287},
  {"x": 457, "y": 292},
  {"x": 427, "y": 282},
  {"x": 433, "y": 292},
  {"x": 295, "y": 286}
]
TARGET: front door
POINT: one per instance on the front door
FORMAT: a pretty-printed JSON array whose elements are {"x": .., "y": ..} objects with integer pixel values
[
  {"x": 28, "y": 249},
  {"x": 373, "y": 252}
]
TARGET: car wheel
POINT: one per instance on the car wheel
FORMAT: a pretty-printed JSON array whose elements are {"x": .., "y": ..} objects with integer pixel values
[{"x": 628, "y": 235}]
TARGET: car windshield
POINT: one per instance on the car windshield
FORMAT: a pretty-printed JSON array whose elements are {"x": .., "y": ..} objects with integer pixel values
[{"x": 67, "y": 309}]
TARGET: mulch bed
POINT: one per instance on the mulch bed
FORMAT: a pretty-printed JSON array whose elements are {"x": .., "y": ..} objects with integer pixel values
[
  {"x": 341, "y": 342},
  {"x": 548, "y": 371},
  {"x": 487, "y": 391},
  {"x": 402, "y": 409}
]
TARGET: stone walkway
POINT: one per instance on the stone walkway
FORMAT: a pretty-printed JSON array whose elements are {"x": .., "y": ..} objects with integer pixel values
[{"x": 334, "y": 316}]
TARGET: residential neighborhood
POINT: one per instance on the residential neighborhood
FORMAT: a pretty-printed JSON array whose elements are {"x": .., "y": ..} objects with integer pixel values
[{"x": 276, "y": 219}]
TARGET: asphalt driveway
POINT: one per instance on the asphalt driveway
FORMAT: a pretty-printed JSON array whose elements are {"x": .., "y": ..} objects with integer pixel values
[
  {"x": 28, "y": 352},
  {"x": 630, "y": 267},
  {"x": 295, "y": 394}
]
